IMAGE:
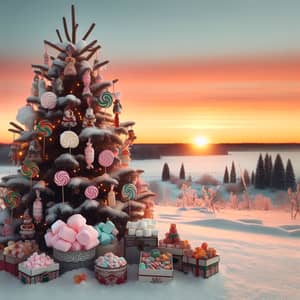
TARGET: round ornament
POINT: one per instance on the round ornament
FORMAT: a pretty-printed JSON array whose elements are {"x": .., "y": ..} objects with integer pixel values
[
  {"x": 106, "y": 158},
  {"x": 105, "y": 100},
  {"x": 129, "y": 191},
  {"x": 48, "y": 100},
  {"x": 91, "y": 192}
]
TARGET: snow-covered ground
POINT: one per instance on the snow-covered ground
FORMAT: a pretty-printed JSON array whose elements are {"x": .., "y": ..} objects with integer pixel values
[{"x": 259, "y": 260}]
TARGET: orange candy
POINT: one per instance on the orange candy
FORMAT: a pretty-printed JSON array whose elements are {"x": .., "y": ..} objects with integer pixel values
[{"x": 77, "y": 279}]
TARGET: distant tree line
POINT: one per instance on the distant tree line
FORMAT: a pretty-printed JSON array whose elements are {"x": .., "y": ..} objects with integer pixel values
[
  {"x": 267, "y": 175},
  {"x": 165, "y": 176}
]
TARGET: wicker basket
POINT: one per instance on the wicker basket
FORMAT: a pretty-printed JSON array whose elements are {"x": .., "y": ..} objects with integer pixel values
[{"x": 74, "y": 259}]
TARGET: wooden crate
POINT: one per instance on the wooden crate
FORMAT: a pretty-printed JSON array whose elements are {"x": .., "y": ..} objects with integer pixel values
[
  {"x": 155, "y": 276},
  {"x": 201, "y": 267},
  {"x": 28, "y": 276},
  {"x": 134, "y": 245}
]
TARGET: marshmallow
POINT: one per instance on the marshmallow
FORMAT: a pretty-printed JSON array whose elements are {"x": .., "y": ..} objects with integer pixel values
[
  {"x": 76, "y": 222},
  {"x": 131, "y": 231},
  {"x": 106, "y": 238},
  {"x": 62, "y": 245},
  {"x": 48, "y": 238},
  {"x": 147, "y": 232},
  {"x": 68, "y": 234},
  {"x": 139, "y": 232},
  {"x": 108, "y": 227},
  {"x": 84, "y": 237},
  {"x": 76, "y": 246},
  {"x": 154, "y": 232},
  {"x": 56, "y": 226},
  {"x": 91, "y": 245}
]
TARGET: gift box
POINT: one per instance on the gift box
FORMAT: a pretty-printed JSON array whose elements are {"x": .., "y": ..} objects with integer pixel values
[
  {"x": 31, "y": 276},
  {"x": 155, "y": 275},
  {"x": 11, "y": 264},
  {"x": 111, "y": 276},
  {"x": 201, "y": 267},
  {"x": 133, "y": 245},
  {"x": 74, "y": 259}
]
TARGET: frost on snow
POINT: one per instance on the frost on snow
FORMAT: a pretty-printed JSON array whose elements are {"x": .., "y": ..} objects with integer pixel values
[{"x": 66, "y": 161}]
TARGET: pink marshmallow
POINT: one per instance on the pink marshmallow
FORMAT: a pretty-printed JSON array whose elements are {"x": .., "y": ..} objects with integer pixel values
[
  {"x": 76, "y": 246},
  {"x": 92, "y": 244},
  {"x": 62, "y": 245},
  {"x": 85, "y": 237},
  {"x": 48, "y": 238},
  {"x": 68, "y": 234},
  {"x": 76, "y": 222},
  {"x": 56, "y": 226},
  {"x": 91, "y": 229}
]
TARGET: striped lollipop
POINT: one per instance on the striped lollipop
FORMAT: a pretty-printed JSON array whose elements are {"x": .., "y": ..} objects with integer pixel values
[
  {"x": 106, "y": 158},
  {"x": 61, "y": 178},
  {"x": 48, "y": 100},
  {"x": 30, "y": 169},
  {"x": 12, "y": 199},
  {"x": 129, "y": 191},
  {"x": 105, "y": 100},
  {"x": 91, "y": 192},
  {"x": 45, "y": 128}
]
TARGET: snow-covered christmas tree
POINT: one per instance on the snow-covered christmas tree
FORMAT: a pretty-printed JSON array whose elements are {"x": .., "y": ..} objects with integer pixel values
[{"x": 72, "y": 148}]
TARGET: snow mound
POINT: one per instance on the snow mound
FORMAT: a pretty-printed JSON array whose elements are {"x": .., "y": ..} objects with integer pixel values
[{"x": 66, "y": 161}]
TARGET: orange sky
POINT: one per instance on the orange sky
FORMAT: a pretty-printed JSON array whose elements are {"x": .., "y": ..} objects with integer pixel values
[{"x": 240, "y": 100}]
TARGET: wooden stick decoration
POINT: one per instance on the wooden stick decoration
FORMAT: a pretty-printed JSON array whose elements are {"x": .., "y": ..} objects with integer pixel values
[
  {"x": 59, "y": 36},
  {"x": 100, "y": 64},
  {"x": 93, "y": 51},
  {"x": 115, "y": 80},
  {"x": 16, "y": 126},
  {"x": 66, "y": 29},
  {"x": 54, "y": 46},
  {"x": 84, "y": 49},
  {"x": 89, "y": 31},
  {"x": 73, "y": 25},
  {"x": 14, "y": 131}
]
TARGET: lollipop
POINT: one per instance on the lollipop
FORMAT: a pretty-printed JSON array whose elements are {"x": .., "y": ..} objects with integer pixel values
[
  {"x": 105, "y": 100},
  {"x": 29, "y": 169},
  {"x": 91, "y": 192},
  {"x": 48, "y": 100},
  {"x": 62, "y": 178},
  {"x": 129, "y": 191},
  {"x": 106, "y": 158},
  {"x": 69, "y": 139},
  {"x": 12, "y": 199},
  {"x": 45, "y": 128}
]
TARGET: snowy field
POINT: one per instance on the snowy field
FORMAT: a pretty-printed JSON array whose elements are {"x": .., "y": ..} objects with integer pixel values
[{"x": 256, "y": 262}]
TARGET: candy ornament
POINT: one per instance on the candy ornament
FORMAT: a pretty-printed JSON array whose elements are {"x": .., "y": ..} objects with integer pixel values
[
  {"x": 69, "y": 139},
  {"x": 106, "y": 158},
  {"x": 89, "y": 154},
  {"x": 129, "y": 191},
  {"x": 30, "y": 170},
  {"x": 105, "y": 100},
  {"x": 37, "y": 210},
  {"x": 45, "y": 128},
  {"x": 62, "y": 178},
  {"x": 12, "y": 199},
  {"x": 48, "y": 100},
  {"x": 70, "y": 69},
  {"x": 117, "y": 109},
  {"x": 91, "y": 192},
  {"x": 86, "y": 79},
  {"x": 89, "y": 119},
  {"x": 69, "y": 119},
  {"x": 111, "y": 197}
]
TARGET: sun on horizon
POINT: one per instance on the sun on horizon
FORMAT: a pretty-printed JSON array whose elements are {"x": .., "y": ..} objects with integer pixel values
[{"x": 201, "y": 141}]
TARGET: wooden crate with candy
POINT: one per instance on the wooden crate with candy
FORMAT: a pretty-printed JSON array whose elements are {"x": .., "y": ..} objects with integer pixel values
[
  {"x": 38, "y": 268},
  {"x": 174, "y": 245},
  {"x": 140, "y": 236},
  {"x": 17, "y": 252},
  {"x": 203, "y": 261},
  {"x": 155, "y": 266}
]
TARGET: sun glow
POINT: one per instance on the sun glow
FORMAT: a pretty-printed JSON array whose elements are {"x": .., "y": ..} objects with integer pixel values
[{"x": 201, "y": 141}]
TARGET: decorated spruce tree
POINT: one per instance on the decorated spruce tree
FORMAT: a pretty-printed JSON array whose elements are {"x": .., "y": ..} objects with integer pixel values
[{"x": 71, "y": 145}]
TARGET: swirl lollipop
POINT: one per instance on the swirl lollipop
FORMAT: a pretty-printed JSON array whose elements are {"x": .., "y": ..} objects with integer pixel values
[
  {"x": 69, "y": 139},
  {"x": 45, "y": 128},
  {"x": 91, "y": 192},
  {"x": 129, "y": 191},
  {"x": 48, "y": 100},
  {"x": 106, "y": 158},
  {"x": 12, "y": 199},
  {"x": 30, "y": 169},
  {"x": 62, "y": 178},
  {"x": 106, "y": 100}
]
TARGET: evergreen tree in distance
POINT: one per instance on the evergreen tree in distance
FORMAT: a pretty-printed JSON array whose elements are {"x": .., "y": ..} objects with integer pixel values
[
  {"x": 252, "y": 178},
  {"x": 182, "y": 172},
  {"x": 226, "y": 176},
  {"x": 232, "y": 173},
  {"x": 278, "y": 174},
  {"x": 165, "y": 176},
  {"x": 290, "y": 181},
  {"x": 268, "y": 169},
  {"x": 260, "y": 174}
]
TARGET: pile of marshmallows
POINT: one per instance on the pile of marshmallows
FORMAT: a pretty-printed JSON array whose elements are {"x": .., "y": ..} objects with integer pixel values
[
  {"x": 76, "y": 235},
  {"x": 36, "y": 261},
  {"x": 142, "y": 228},
  {"x": 20, "y": 249},
  {"x": 156, "y": 260},
  {"x": 110, "y": 261},
  {"x": 107, "y": 232}
]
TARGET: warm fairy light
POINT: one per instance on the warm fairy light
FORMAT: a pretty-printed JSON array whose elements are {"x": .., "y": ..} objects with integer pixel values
[
  {"x": 201, "y": 141},
  {"x": 20, "y": 153}
]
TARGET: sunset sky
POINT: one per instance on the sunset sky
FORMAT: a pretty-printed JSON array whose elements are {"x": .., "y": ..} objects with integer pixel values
[{"x": 227, "y": 70}]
